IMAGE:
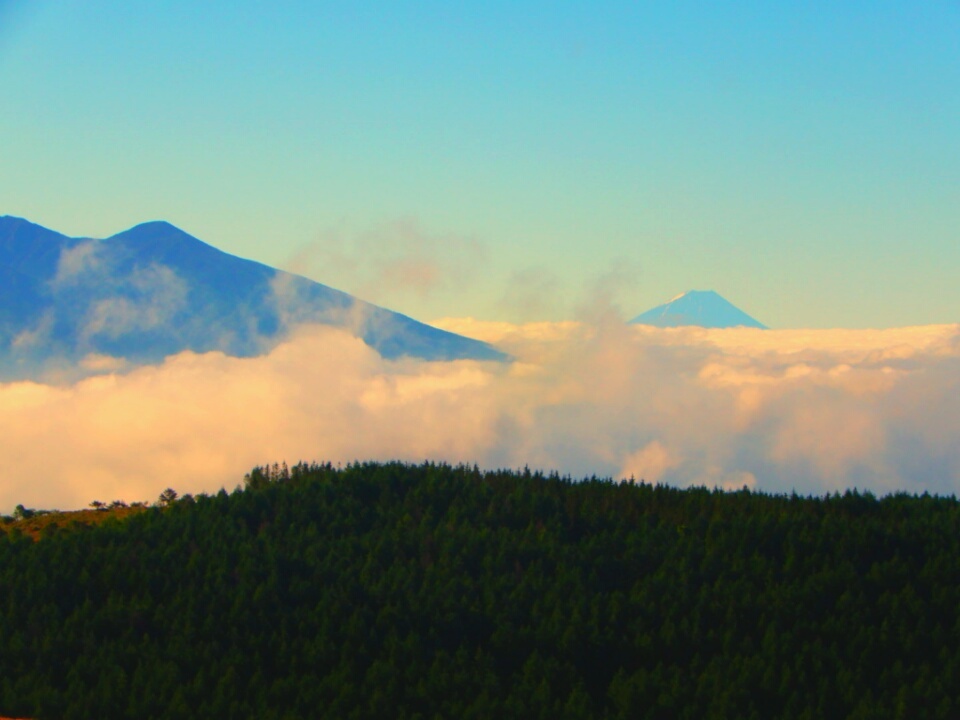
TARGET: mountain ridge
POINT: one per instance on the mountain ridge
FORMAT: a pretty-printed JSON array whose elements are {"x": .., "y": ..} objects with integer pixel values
[{"x": 154, "y": 290}]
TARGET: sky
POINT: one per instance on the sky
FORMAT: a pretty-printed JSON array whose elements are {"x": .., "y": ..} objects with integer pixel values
[{"x": 511, "y": 161}]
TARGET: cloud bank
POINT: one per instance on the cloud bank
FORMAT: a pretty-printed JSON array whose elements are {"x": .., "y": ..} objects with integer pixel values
[{"x": 811, "y": 411}]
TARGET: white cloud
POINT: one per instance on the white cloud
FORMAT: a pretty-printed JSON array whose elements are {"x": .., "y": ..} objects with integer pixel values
[
  {"x": 154, "y": 294},
  {"x": 650, "y": 462},
  {"x": 35, "y": 336},
  {"x": 79, "y": 260},
  {"x": 777, "y": 410}
]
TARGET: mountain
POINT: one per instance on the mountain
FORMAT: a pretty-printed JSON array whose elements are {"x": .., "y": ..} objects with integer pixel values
[
  {"x": 155, "y": 290},
  {"x": 702, "y": 308}
]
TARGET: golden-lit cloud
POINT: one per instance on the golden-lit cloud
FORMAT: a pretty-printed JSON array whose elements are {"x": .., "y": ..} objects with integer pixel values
[{"x": 814, "y": 411}]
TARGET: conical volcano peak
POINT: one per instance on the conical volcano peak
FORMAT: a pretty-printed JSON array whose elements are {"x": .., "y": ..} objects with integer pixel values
[
  {"x": 704, "y": 295},
  {"x": 699, "y": 308}
]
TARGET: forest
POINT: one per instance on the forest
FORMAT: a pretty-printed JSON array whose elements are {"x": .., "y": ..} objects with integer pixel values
[{"x": 391, "y": 590}]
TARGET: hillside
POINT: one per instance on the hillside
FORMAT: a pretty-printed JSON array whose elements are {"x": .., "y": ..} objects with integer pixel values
[{"x": 429, "y": 591}]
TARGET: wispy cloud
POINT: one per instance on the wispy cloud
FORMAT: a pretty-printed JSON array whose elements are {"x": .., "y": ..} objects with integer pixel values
[
  {"x": 78, "y": 261},
  {"x": 778, "y": 410},
  {"x": 151, "y": 297},
  {"x": 530, "y": 292},
  {"x": 144, "y": 298},
  {"x": 537, "y": 292},
  {"x": 392, "y": 263}
]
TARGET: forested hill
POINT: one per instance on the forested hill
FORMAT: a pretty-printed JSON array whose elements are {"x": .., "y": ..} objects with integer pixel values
[{"x": 396, "y": 591}]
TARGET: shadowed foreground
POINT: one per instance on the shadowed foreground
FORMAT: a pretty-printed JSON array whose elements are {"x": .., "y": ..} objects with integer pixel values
[{"x": 430, "y": 591}]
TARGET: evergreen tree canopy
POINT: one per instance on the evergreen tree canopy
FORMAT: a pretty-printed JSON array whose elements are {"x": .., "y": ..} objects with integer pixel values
[{"x": 430, "y": 591}]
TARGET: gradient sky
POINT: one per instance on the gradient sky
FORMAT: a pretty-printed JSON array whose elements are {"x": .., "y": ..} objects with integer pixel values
[{"x": 510, "y": 160}]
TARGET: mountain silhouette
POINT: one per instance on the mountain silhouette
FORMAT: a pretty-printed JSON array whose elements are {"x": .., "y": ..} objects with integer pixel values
[
  {"x": 154, "y": 290},
  {"x": 701, "y": 308}
]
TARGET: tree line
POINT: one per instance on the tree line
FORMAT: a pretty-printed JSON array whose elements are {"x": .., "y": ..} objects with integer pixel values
[{"x": 389, "y": 590}]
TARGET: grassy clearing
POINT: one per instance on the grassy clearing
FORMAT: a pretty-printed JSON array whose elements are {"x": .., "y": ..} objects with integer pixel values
[{"x": 34, "y": 524}]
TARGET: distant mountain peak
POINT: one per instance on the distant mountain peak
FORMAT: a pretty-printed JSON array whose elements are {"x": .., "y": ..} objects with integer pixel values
[
  {"x": 698, "y": 308},
  {"x": 11, "y": 225},
  {"x": 156, "y": 226},
  {"x": 155, "y": 290},
  {"x": 154, "y": 230}
]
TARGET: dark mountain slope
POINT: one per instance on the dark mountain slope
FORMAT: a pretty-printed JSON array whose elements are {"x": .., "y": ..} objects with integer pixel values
[{"x": 29, "y": 255}]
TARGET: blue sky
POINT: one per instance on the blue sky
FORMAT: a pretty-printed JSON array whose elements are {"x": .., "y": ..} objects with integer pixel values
[{"x": 511, "y": 160}]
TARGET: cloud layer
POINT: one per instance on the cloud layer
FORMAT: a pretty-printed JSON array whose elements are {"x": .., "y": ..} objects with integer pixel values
[{"x": 814, "y": 411}]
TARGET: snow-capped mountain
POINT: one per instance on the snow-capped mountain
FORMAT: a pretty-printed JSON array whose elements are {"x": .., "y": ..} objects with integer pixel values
[{"x": 702, "y": 308}]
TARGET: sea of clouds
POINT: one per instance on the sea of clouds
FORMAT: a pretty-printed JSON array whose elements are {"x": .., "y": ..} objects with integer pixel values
[{"x": 811, "y": 411}]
